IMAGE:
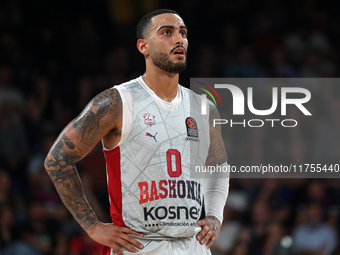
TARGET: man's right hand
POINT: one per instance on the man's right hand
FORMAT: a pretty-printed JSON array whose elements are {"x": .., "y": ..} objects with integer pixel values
[{"x": 111, "y": 236}]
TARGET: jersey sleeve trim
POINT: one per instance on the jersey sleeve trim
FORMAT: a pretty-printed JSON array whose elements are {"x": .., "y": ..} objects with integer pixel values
[{"x": 127, "y": 114}]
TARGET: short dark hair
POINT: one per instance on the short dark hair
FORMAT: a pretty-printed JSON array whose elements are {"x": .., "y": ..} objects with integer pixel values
[{"x": 144, "y": 22}]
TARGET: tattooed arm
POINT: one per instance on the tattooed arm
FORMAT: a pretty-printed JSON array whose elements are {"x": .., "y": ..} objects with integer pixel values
[
  {"x": 101, "y": 119},
  {"x": 215, "y": 188}
]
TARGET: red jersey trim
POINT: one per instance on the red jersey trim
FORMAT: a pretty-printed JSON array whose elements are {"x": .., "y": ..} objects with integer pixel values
[
  {"x": 114, "y": 185},
  {"x": 105, "y": 250}
]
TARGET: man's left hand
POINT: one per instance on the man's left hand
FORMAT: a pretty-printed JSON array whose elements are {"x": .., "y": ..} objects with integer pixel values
[{"x": 210, "y": 230}]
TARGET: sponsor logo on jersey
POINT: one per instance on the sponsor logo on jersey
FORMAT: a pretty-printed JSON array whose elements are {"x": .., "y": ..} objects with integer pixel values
[
  {"x": 171, "y": 213},
  {"x": 169, "y": 189},
  {"x": 149, "y": 119},
  {"x": 192, "y": 131},
  {"x": 153, "y": 136},
  {"x": 182, "y": 189}
]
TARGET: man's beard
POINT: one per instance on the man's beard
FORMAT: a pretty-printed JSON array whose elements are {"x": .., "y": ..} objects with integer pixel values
[{"x": 162, "y": 61}]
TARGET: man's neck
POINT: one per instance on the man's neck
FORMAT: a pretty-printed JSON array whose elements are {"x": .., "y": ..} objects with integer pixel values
[{"x": 162, "y": 83}]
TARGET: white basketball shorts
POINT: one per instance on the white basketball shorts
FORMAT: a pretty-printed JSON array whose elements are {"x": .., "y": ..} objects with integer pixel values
[{"x": 179, "y": 246}]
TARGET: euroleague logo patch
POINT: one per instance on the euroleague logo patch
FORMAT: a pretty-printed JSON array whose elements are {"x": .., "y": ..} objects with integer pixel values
[
  {"x": 149, "y": 119},
  {"x": 191, "y": 123},
  {"x": 192, "y": 131}
]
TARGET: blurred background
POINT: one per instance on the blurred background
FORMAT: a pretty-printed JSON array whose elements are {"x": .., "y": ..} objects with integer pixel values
[{"x": 56, "y": 55}]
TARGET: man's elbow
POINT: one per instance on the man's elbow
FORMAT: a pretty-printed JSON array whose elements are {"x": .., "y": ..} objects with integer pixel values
[{"x": 48, "y": 163}]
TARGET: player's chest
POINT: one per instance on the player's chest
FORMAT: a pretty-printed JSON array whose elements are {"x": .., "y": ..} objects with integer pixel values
[{"x": 153, "y": 125}]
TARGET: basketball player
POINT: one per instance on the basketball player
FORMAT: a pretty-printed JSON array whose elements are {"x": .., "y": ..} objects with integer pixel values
[{"x": 151, "y": 129}]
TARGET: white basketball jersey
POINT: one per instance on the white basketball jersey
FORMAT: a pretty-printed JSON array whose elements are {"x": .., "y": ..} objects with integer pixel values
[{"x": 149, "y": 183}]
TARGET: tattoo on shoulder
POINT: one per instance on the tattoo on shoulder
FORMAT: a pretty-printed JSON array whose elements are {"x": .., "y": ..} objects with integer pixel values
[
  {"x": 213, "y": 113},
  {"x": 108, "y": 101}
]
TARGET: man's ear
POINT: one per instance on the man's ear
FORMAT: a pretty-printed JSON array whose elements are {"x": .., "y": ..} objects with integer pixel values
[{"x": 143, "y": 47}]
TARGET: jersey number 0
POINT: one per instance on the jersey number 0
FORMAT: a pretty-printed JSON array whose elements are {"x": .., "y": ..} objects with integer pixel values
[{"x": 172, "y": 153}]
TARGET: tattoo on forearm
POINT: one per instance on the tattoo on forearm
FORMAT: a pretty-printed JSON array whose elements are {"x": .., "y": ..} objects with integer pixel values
[{"x": 62, "y": 171}]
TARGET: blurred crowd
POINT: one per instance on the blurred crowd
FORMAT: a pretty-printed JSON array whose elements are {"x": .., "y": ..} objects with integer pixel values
[{"x": 56, "y": 55}]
